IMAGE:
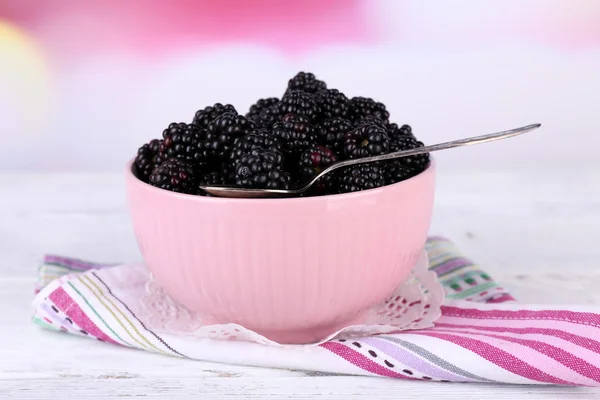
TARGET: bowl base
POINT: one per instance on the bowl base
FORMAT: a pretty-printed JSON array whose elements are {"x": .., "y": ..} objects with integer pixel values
[{"x": 310, "y": 335}]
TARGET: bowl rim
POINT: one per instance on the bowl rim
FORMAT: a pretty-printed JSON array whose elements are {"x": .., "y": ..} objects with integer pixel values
[{"x": 131, "y": 177}]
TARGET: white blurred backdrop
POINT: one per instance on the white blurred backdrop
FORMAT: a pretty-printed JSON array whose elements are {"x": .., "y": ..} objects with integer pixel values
[{"x": 82, "y": 85}]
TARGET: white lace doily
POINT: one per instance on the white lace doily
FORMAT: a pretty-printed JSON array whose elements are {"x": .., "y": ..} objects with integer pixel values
[{"x": 415, "y": 304}]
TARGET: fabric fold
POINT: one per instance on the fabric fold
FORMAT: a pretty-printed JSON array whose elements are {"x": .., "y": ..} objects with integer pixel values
[{"x": 483, "y": 335}]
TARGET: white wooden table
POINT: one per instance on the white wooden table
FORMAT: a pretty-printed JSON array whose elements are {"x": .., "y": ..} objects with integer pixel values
[{"x": 538, "y": 232}]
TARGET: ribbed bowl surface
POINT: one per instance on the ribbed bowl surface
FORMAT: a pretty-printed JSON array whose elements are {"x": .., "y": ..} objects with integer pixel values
[{"x": 293, "y": 270}]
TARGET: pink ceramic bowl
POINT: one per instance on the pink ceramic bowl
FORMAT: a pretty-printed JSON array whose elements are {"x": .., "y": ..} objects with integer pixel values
[{"x": 294, "y": 270}]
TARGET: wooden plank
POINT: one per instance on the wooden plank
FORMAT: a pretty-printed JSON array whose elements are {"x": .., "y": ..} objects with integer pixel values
[{"x": 109, "y": 386}]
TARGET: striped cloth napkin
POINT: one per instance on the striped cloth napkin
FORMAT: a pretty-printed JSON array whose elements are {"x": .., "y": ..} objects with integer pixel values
[{"x": 484, "y": 335}]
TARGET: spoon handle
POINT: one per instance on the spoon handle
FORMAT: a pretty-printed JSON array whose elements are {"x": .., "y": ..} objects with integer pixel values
[
  {"x": 428, "y": 149},
  {"x": 261, "y": 193}
]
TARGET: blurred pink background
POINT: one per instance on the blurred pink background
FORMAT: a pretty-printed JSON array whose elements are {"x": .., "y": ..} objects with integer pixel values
[{"x": 84, "y": 83}]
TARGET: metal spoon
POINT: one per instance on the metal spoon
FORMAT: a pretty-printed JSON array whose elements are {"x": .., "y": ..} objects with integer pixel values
[{"x": 236, "y": 192}]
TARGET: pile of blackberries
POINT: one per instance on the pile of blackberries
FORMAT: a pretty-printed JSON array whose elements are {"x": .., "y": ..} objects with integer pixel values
[{"x": 282, "y": 143}]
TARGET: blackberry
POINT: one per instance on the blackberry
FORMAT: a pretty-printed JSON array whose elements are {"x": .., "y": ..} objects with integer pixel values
[
  {"x": 267, "y": 117},
  {"x": 406, "y": 130},
  {"x": 395, "y": 171},
  {"x": 295, "y": 133},
  {"x": 330, "y": 133},
  {"x": 185, "y": 141},
  {"x": 370, "y": 120},
  {"x": 406, "y": 167},
  {"x": 147, "y": 159},
  {"x": 404, "y": 142},
  {"x": 262, "y": 169},
  {"x": 260, "y": 106},
  {"x": 332, "y": 103},
  {"x": 360, "y": 107},
  {"x": 366, "y": 141},
  {"x": 312, "y": 162},
  {"x": 360, "y": 177},
  {"x": 222, "y": 133},
  {"x": 213, "y": 178},
  {"x": 259, "y": 139},
  {"x": 175, "y": 175},
  {"x": 306, "y": 82},
  {"x": 264, "y": 112},
  {"x": 298, "y": 103},
  {"x": 204, "y": 117},
  {"x": 394, "y": 130},
  {"x": 227, "y": 171}
]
